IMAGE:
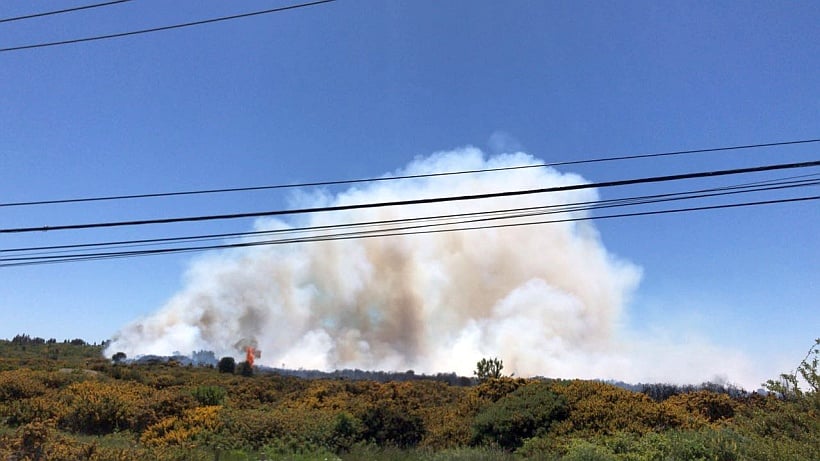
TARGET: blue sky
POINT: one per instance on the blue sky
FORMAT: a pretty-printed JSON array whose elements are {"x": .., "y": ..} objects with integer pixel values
[{"x": 355, "y": 89}]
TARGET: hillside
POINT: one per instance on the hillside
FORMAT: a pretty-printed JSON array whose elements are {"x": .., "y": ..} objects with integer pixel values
[{"x": 62, "y": 401}]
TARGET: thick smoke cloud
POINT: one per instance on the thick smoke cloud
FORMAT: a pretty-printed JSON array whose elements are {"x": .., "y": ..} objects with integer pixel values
[{"x": 547, "y": 299}]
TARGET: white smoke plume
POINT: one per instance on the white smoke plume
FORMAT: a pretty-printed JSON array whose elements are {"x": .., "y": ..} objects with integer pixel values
[{"x": 547, "y": 299}]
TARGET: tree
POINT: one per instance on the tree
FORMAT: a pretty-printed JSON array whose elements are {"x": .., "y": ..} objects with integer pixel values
[
  {"x": 489, "y": 369},
  {"x": 227, "y": 365},
  {"x": 788, "y": 386},
  {"x": 244, "y": 369},
  {"x": 119, "y": 357}
]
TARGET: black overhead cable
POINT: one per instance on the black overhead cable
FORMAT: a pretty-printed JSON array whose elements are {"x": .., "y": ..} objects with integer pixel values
[
  {"x": 758, "y": 186},
  {"x": 163, "y": 28},
  {"x": 393, "y": 178},
  {"x": 391, "y": 233},
  {"x": 653, "y": 179},
  {"x": 482, "y": 216},
  {"x": 67, "y": 10}
]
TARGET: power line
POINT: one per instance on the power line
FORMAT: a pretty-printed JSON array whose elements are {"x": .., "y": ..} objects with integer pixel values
[
  {"x": 646, "y": 180},
  {"x": 98, "y": 256},
  {"x": 787, "y": 182},
  {"x": 394, "y": 178},
  {"x": 67, "y": 10},
  {"x": 163, "y": 28},
  {"x": 322, "y": 237},
  {"x": 784, "y": 183}
]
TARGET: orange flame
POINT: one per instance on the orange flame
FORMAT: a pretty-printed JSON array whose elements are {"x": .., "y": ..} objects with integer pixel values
[{"x": 249, "y": 355}]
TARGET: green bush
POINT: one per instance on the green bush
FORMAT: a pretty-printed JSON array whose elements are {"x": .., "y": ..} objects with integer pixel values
[
  {"x": 527, "y": 412},
  {"x": 251, "y": 429},
  {"x": 347, "y": 430},
  {"x": 582, "y": 450},
  {"x": 209, "y": 395},
  {"x": 385, "y": 424}
]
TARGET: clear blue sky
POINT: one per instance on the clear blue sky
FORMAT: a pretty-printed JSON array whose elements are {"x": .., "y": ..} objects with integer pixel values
[{"x": 355, "y": 89}]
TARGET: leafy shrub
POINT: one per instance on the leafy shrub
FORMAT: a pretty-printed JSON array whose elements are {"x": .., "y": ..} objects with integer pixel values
[
  {"x": 706, "y": 444},
  {"x": 582, "y": 450},
  {"x": 252, "y": 428},
  {"x": 525, "y": 413},
  {"x": 209, "y": 395},
  {"x": 346, "y": 431},
  {"x": 127, "y": 373},
  {"x": 386, "y": 424}
]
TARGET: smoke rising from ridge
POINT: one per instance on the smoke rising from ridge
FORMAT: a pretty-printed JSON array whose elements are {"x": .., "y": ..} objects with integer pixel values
[{"x": 547, "y": 299}]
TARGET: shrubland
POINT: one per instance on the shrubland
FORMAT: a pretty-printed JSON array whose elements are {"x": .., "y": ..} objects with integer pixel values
[{"x": 62, "y": 401}]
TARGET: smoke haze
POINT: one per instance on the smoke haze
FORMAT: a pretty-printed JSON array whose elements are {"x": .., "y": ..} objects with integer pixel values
[{"x": 547, "y": 299}]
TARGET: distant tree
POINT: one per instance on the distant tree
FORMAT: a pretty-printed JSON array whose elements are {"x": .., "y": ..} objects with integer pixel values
[
  {"x": 77, "y": 342},
  {"x": 244, "y": 369},
  {"x": 489, "y": 369},
  {"x": 21, "y": 339},
  {"x": 203, "y": 357},
  {"x": 227, "y": 365},
  {"x": 119, "y": 357}
]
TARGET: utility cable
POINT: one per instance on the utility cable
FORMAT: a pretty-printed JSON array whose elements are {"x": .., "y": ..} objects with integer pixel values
[
  {"x": 383, "y": 226},
  {"x": 645, "y": 180},
  {"x": 67, "y": 10},
  {"x": 163, "y": 28},
  {"x": 416, "y": 176},
  {"x": 392, "y": 234},
  {"x": 783, "y": 183}
]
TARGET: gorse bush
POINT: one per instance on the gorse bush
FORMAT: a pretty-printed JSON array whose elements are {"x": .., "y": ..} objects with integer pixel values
[
  {"x": 78, "y": 407},
  {"x": 100, "y": 408},
  {"x": 597, "y": 408},
  {"x": 21, "y": 384},
  {"x": 183, "y": 429},
  {"x": 702, "y": 407}
]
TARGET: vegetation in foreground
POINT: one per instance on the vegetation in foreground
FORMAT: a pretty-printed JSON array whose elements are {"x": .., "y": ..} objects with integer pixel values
[{"x": 61, "y": 401}]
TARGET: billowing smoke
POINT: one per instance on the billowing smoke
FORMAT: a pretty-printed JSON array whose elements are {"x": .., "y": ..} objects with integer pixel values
[{"x": 547, "y": 299}]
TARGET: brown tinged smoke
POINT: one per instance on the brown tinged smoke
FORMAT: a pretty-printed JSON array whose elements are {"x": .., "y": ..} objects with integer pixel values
[{"x": 547, "y": 299}]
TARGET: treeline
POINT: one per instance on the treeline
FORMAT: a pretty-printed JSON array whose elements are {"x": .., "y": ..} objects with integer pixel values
[
  {"x": 28, "y": 340},
  {"x": 80, "y": 406},
  {"x": 204, "y": 358}
]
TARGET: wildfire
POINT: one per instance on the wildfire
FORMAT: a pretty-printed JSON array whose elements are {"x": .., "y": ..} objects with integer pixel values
[{"x": 251, "y": 354}]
